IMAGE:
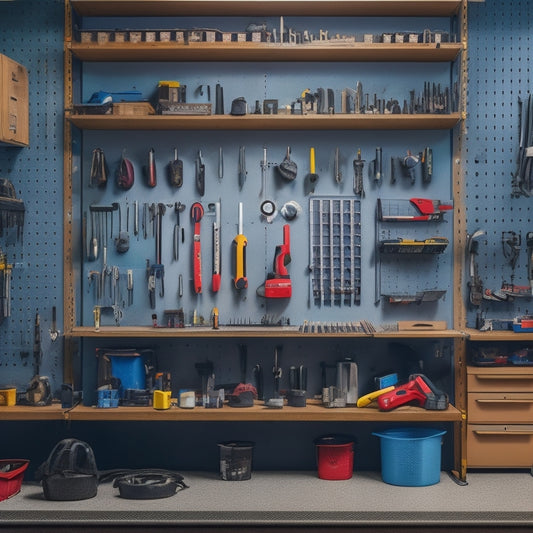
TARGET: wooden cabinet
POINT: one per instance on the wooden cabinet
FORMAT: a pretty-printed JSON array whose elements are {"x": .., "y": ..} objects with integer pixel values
[
  {"x": 14, "y": 110},
  {"x": 500, "y": 417}
]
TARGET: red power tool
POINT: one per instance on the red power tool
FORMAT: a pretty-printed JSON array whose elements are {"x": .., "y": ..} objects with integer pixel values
[
  {"x": 419, "y": 390},
  {"x": 278, "y": 283}
]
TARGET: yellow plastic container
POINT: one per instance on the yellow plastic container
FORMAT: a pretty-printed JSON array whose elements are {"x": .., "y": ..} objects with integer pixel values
[
  {"x": 8, "y": 397},
  {"x": 161, "y": 399}
]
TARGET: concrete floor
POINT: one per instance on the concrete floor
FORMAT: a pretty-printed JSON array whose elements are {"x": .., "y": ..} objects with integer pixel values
[{"x": 292, "y": 499}]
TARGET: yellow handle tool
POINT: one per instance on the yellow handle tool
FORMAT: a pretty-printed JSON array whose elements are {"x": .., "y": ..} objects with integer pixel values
[
  {"x": 312, "y": 163},
  {"x": 240, "y": 281},
  {"x": 369, "y": 398}
]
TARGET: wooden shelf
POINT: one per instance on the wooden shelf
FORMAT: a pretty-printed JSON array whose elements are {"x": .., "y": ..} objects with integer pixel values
[
  {"x": 476, "y": 335},
  {"x": 311, "y": 413},
  {"x": 106, "y": 332},
  {"x": 26, "y": 412},
  {"x": 220, "y": 51},
  {"x": 155, "y": 8},
  {"x": 265, "y": 122},
  {"x": 427, "y": 334}
]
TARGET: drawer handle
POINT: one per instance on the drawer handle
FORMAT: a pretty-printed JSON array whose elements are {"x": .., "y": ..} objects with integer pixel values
[
  {"x": 505, "y": 401},
  {"x": 504, "y": 376},
  {"x": 510, "y": 433}
]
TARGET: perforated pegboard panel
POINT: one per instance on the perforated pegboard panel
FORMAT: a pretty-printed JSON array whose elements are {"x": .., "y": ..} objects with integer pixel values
[
  {"x": 31, "y": 33},
  {"x": 500, "y": 62}
]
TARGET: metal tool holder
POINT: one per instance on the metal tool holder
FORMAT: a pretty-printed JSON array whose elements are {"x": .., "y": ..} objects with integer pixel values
[
  {"x": 335, "y": 251},
  {"x": 397, "y": 219}
]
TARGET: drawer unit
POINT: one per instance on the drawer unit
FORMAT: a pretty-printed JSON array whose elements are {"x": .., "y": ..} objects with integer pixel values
[
  {"x": 500, "y": 379},
  {"x": 14, "y": 111},
  {"x": 500, "y": 417},
  {"x": 500, "y": 407},
  {"x": 499, "y": 446}
]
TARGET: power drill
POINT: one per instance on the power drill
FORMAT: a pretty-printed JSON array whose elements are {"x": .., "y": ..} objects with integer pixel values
[{"x": 419, "y": 390}]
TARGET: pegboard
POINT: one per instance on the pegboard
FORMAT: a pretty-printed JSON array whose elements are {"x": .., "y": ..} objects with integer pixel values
[
  {"x": 31, "y": 33},
  {"x": 263, "y": 80},
  {"x": 499, "y": 74}
]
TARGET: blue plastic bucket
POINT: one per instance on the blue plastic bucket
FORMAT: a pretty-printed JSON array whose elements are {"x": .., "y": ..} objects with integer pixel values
[
  {"x": 130, "y": 370},
  {"x": 411, "y": 457}
]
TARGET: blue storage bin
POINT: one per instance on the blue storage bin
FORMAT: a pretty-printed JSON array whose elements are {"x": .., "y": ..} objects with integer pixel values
[
  {"x": 130, "y": 370},
  {"x": 107, "y": 398},
  {"x": 411, "y": 457}
]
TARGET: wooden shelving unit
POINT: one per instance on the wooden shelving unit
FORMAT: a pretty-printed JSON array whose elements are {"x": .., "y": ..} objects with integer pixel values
[{"x": 77, "y": 52}]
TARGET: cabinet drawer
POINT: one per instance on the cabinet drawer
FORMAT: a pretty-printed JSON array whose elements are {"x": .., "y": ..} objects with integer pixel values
[
  {"x": 500, "y": 380},
  {"x": 499, "y": 446},
  {"x": 500, "y": 408}
]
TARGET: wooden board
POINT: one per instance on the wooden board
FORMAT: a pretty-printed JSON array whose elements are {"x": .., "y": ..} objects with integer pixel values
[{"x": 421, "y": 325}]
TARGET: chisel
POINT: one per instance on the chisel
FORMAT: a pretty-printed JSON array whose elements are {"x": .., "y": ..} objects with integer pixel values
[
  {"x": 151, "y": 176},
  {"x": 200, "y": 174},
  {"x": 240, "y": 281},
  {"x": 178, "y": 207},
  {"x": 312, "y": 177},
  {"x": 220, "y": 163},
  {"x": 242, "y": 167},
  {"x": 336, "y": 166},
  {"x": 197, "y": 212}
]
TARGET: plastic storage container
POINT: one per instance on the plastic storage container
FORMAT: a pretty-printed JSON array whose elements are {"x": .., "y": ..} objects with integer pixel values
[
  {"x": 411, "y": 457},
  {"x": 334, "y": 454},
  {"x": 130, "y": 370},
  {"x": 11, "y": 476},
  {"x": 107, "y": 398},
  {"x": 236, "y": 460}
]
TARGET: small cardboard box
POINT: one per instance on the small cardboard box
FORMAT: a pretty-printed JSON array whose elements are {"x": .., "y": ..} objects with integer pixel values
[
  {"x": 133, "y": 108},
  {"x": 14, "y": 110}
]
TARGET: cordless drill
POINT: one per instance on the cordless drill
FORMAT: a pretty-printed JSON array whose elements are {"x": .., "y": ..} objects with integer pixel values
[{"x": 419, "y": 390}]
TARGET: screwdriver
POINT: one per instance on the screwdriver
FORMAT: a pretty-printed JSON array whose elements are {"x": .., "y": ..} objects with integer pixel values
[{"x": 240, "y": 281}]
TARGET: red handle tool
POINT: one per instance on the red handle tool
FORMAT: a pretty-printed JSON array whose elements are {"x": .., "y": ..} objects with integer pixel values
[{"x": 197, "y": 212}]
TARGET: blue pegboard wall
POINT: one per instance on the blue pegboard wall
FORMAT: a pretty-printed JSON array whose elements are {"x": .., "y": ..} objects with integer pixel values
[
  {"x": 284, "y": 81},
  {"x": 499, "y": 74},
  {"x": 31, "y": 33}
]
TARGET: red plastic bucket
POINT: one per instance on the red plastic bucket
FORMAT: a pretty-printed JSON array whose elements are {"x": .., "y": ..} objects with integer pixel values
[
  {"x": 334, "y": 454},
  {"x": 11, "y": 476}
]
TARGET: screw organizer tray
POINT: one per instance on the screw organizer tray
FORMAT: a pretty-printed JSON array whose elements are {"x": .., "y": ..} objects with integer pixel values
[{"x": 335, "y": 251}]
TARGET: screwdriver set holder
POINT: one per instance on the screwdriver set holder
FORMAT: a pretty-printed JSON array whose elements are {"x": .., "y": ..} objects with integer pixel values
[{"x": 335, "y": 251}]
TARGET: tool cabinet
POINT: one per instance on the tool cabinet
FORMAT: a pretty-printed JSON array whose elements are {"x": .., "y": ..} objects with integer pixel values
[
  {"x": 14, "y": 103},
  {"x": 500, "y": 417}
]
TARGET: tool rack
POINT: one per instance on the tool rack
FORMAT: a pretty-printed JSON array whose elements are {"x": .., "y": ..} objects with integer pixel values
[{"x": 76, "y": 126}]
